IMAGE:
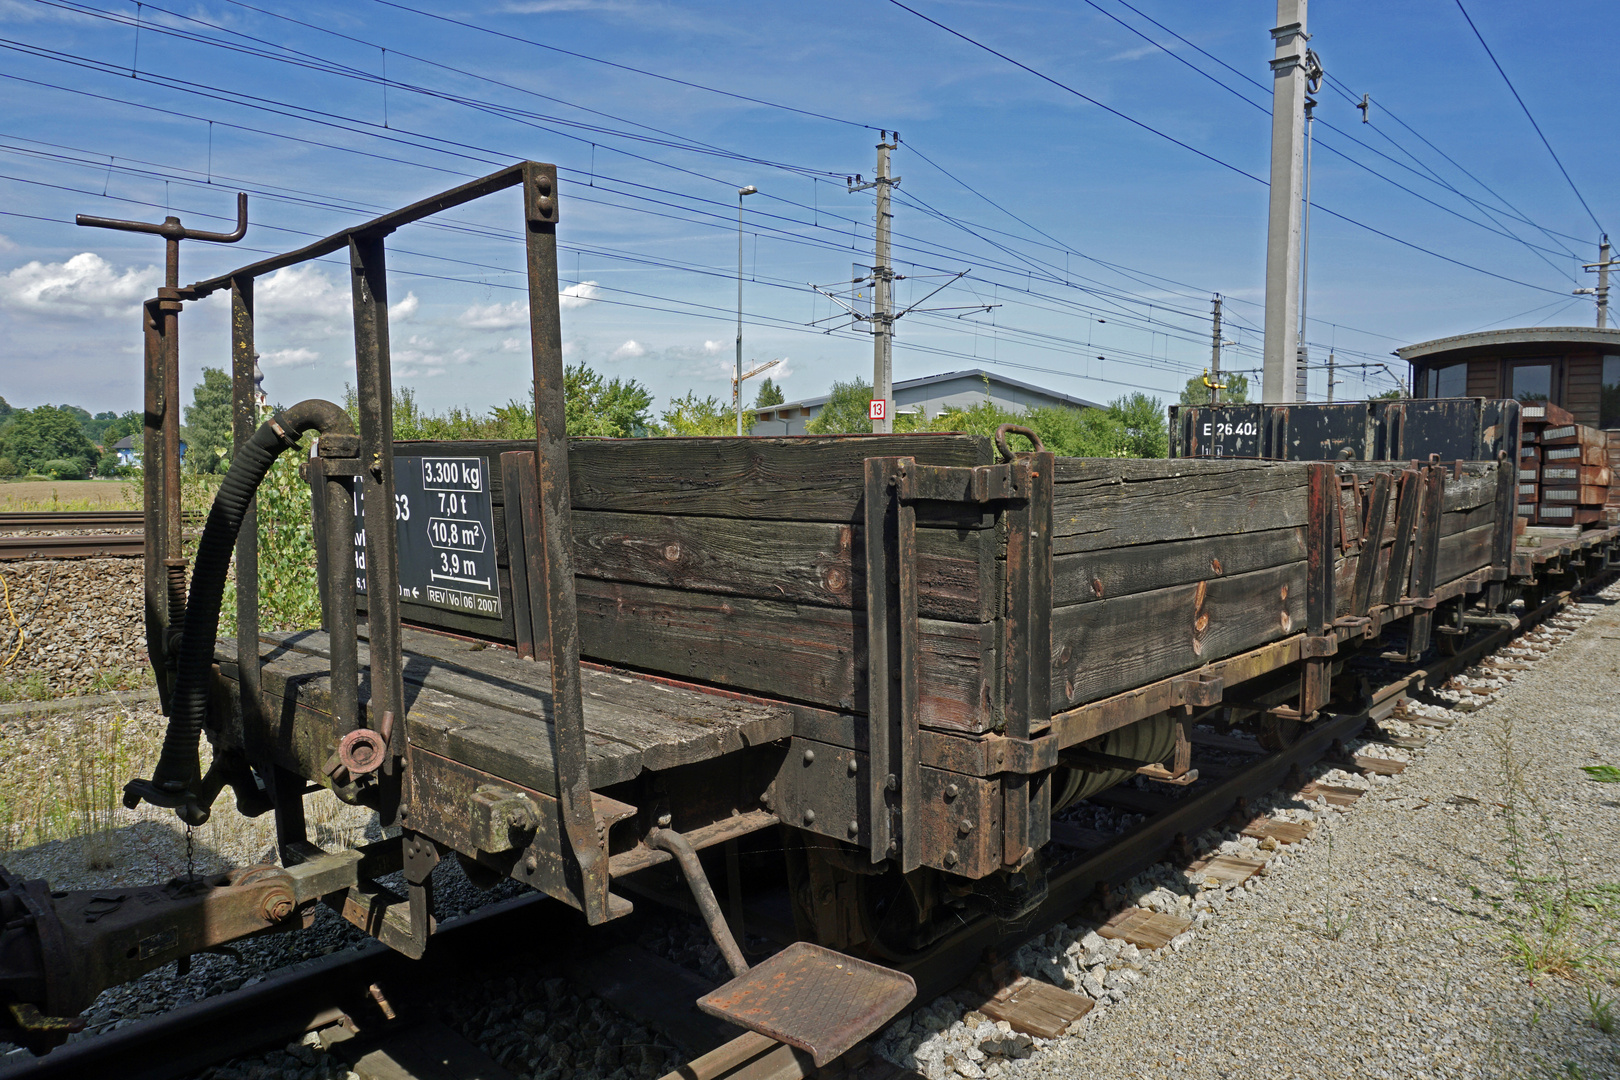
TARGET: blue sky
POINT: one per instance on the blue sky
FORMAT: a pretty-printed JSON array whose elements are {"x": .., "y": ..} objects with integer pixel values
[{"x": 1096, "y": 243}]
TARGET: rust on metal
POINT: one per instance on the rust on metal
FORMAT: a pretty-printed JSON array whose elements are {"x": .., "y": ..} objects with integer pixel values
[{"x": 811, "y": 997}]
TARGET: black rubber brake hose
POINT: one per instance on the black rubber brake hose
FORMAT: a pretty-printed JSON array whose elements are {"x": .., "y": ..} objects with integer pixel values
[{"x": 176, "y": 781}]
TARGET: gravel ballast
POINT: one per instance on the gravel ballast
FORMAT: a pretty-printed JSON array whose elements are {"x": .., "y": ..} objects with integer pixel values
[{"x": 81, "y": 621}]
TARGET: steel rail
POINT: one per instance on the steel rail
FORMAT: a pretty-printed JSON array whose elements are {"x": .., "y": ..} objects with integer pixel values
[
  {"x": 289, "y": 1004},
  {"x": 73, "y": 546},
  {"x": 24, "y": 520}
]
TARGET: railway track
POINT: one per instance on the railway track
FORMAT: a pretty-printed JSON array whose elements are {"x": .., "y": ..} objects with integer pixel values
[
  {"x": 72, "y": 546},
  {"x": 52, "y": 520},
  {"x": 384, "y": 1007},
  {"x": 71, "y": 534}
]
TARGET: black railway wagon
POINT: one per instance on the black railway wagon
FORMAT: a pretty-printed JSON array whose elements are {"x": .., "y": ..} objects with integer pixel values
[
  {"x": 569, "y": 661},
  {"x": 1448, "y": 429}
]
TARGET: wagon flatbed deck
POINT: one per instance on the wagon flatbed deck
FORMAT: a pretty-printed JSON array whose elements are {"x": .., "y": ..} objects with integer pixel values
[{"x": 483, "y": 706}]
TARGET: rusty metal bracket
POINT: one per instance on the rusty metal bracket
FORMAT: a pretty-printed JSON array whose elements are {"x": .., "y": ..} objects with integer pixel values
[
  {"x": 893, "y": 663},
  {"x": 956, "y": 483},
  {"x": 1200, "y": 689},
  {"x": 1024, "y": 757},
  {"x": 1317, "y": 646},
  {"x": 1353, "y": 483}
]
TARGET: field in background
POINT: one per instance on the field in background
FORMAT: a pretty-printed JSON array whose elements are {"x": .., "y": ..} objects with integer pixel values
[{"x": 69, "y": 495}]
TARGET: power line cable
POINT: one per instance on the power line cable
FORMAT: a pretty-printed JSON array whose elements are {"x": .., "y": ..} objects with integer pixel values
[
  {"x": 626, "y": 67},
  {"x": 1327, "y": 145},
  {"x": 1514, "y": 90},
  {"x": 1210, "y": 157}
]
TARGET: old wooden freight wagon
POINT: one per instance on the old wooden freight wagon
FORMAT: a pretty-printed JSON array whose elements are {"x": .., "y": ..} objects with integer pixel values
[
  {"x": 895, "y": 643},
  {"x": 570, "y": 661}
]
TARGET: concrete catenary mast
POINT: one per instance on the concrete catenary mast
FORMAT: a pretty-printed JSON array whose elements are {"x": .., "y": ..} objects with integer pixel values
[{"x": 1288, "y": 74}]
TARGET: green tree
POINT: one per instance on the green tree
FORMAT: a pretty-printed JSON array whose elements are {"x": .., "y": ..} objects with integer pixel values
[
  {"x": 47, "y": 433},
  {"x": 1064, "y": 431},
  {"x": 616, "y": 408},
  {"x": 692, "y": 415},
  {"x": 1235, "y": 392},
  {"x": 769, "y": 394},
  {"x": 128, "y": 423},
  {"x": 208, "y": 424},
  {"x": 1147, "y": 433},
  {"x": 1389, "y": 395},
  {"x": 107, "y": 465},
  {"x": 845, "y": 412}
]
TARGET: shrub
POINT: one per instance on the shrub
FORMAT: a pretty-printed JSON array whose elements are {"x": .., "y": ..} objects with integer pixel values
[
  {"x": 108, "y": 465},
  {"x": 73, "y": 468}
]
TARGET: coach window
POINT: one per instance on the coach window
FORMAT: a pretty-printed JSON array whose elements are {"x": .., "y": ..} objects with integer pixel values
[
  {"x": 1530, "y": 381},
  {"x": 1448, "y": 381},
  {"x": 1609, "y": 407}
]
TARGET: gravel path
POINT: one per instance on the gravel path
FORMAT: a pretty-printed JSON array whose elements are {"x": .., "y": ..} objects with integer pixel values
[{"x": 1386, "y": 947}]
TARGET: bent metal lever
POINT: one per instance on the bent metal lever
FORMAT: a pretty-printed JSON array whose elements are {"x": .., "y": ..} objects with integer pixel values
[{"x": 171, "y": 229}]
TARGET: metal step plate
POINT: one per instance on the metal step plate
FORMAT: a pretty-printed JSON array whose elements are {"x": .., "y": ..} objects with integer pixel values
[{"x": 811, "y": 997}]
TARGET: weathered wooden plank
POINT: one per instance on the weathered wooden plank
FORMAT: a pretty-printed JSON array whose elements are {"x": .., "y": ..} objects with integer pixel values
[
  {"x": 445, "y": 724},
  {"x": 1078, "y": 470},
  {"x": 488, "y": 708},
  {"x": 1110, "y": 646},
  {"x": 793, "y": 561},
  {"x": 1085, "y": 577},
  {"x": 1463, "y": 520},
  {"x": 1036, "y": 1008},
  {"x": 781, "y": 479},
  {"x": 670, "y": 727},
  {"x": 1344, "y": 584},
  {"x": 1473, "y": 488},
  {"x": 1117, "y": 503},
  {"x": 1464, "y": 552},
  {"x": 796, "y": 651}
]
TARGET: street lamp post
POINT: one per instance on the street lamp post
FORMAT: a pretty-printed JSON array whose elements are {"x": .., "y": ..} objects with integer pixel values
[{"x": 749, "y": 190}]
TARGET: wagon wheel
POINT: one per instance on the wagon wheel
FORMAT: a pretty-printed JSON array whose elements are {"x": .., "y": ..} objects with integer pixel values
[
  {"x": 1278, "y": 733},
  {"x": 1149, "y": 741},
  {"x": 890, "y": 918}
]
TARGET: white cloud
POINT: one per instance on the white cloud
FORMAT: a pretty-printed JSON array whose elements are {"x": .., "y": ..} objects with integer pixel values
[
  {"x": 710, "y": 348},
  {"x": 495, "y": 316},
  {"x": 405, "y": 308},
  {"x": 6, "y": 243},
  {"x": 86, "y": 284},
  {"x": 577, "y": 296},
  {"x": 630, "y": 350},
  {"x": 304, "y": 293},
  {"x": 517, "y": 344},
  {"x": 419, "y": 357},
  {"x": 515, "y": 314},
  {"x": 288, "y": 358}
]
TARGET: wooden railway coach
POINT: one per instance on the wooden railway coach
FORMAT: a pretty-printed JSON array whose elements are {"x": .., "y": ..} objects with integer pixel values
[{"x": 569, "y": 661}]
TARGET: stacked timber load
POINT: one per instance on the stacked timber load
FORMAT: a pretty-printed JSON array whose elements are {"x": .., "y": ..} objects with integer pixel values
[
  {"x": 1564, "y": 470},
  {"x": 1611, "y": 509}
]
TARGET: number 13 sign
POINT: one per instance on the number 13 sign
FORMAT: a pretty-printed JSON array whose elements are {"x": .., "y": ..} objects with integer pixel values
[{"x": 877, "y": 409}]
